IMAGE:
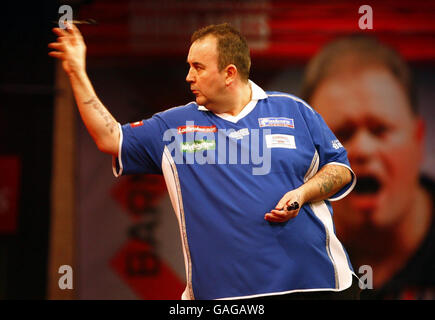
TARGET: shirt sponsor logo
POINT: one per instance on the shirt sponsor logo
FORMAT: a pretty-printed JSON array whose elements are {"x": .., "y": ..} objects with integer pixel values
[
  {"x": 136, "y": 124},
  {"x": 280, "y": 141},
  {"x": 193, "y": 128},
  {"x": 276, "y": 122},
  {"x": 197, "y": 145},
  {"x": 218, "y": 148},
  {"x": 239, "y": 134},
  {"x": 336, "y": 144}
]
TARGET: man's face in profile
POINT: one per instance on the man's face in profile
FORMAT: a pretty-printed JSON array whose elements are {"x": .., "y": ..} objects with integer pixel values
[
  {"x": 368, "y": 111},
  {"x": 207, "y": 83}
]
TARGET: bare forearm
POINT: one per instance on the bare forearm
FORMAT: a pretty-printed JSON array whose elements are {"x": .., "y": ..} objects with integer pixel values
[
  {"x": 325, "y": 183},
  {"x": 101, "y": 125},
  {"x": 70, "y": 48}
]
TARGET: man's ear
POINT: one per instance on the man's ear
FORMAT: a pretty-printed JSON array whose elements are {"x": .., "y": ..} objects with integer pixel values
[{"x": 231, "y": 74}]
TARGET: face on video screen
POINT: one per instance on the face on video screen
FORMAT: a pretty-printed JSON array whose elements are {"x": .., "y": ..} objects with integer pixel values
[{"x": 368, "y": 111}]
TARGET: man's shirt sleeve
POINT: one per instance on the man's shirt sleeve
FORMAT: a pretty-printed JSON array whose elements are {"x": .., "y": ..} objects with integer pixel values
[
  {"x": 329, "y": 148},
  {"x": 140, "y": 148}
]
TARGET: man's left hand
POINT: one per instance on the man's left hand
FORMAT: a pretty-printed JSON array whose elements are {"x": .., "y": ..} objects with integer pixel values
[{"x": 280, "y": 213}]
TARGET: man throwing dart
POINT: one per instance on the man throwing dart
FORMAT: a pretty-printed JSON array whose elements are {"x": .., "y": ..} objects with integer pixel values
[{"x": 250, "y": 174}]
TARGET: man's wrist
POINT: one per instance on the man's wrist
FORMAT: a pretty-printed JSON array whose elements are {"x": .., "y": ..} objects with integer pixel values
[
  {"x": 78, "y": 73},
  {"x": 301, "y": 194},
  {"x": 305, "y": 193}
]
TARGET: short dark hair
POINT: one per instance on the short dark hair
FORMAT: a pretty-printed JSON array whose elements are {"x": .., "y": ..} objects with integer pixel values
[
  {"x": 359, "y": 51},
  {"x": 232, "y": 47}
]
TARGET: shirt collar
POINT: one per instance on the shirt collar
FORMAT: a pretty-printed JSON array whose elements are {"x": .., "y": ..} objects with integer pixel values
[{"x": 257, "y": 94}]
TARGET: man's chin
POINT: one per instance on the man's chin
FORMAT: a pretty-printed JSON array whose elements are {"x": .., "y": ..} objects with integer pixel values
[{"x": 200, "y": 100}]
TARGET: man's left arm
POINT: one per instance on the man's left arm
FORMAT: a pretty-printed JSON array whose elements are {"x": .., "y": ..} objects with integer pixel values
[{"x": 325, "y": 183}]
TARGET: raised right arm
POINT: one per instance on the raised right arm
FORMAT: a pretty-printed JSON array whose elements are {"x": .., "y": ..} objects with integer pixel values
[{"x": 101, "y": 125}]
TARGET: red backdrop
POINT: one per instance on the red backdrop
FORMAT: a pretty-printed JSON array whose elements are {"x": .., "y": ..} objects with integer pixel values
[{"x": 288, "y": 30}]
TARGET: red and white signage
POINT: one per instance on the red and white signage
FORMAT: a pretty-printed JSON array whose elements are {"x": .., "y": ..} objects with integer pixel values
[{"x": 193, "y": 128}]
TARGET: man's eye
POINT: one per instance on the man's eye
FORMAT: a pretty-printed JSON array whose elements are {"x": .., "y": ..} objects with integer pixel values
[
  {"x": 344, "y": 134},
  {"x": 379, "y": 130}
]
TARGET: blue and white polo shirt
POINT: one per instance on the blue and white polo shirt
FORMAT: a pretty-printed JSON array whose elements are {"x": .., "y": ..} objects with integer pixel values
[{"x": 223, "y": 173}]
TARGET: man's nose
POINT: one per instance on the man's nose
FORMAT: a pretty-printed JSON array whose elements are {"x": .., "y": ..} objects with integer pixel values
[
  {"x": 190, "y": 76},
  {"x": 362, "y": 147}
]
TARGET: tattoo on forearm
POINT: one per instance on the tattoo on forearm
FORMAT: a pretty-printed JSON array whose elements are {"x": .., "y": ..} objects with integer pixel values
[
  {"x": 90, "y": 101},
  {"x": 96, "y": 104},
  {"x": 328, "y": 180}
]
